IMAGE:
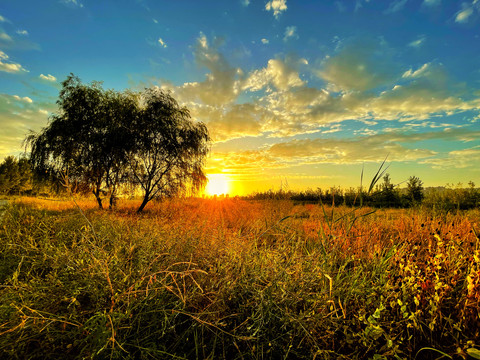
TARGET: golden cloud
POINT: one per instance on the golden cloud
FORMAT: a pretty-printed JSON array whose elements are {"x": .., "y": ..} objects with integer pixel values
[{"x": 361, "y": 85}]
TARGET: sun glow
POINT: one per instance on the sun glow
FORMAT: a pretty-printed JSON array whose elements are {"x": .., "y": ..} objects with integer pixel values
[{"x": 217, "y": 184}]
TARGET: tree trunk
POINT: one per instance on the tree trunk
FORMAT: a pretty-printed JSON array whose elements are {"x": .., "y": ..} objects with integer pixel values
[
  {"x": 142, "y": 206},
  {"x": 113, "y": 201},
  {"x": 99, "y": 199}
]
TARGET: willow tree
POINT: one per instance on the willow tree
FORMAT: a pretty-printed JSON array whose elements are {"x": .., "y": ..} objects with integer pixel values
[
  {"x": 86, "y": 139},
  {"x": 170, "y": 149},
  {"x": 107, "y": 139}
]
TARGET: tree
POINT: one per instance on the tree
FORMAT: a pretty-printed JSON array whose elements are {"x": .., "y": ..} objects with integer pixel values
[
  {"x": 85, "y": 140},
  {"x": 15, "y": 176},
  {"x": 170, "y": 149},
  {"x": 415, "y": 190},
  {"x": 107, "y": 139},
  {"x": 388, "y": 196}
]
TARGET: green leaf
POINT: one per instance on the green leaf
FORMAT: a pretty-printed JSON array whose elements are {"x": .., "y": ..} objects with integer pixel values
[{"x": 474, "y": 353}]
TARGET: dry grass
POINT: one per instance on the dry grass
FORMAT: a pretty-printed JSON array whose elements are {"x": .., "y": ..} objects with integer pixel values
[{"x": 208, "y": 279}]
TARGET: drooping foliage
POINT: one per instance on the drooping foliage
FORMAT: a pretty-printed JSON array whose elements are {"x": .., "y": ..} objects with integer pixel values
[
  {"x": 74, "y": 142},
  {"x": 109, "y": 138},
  {"x": 169, "y": 150}
]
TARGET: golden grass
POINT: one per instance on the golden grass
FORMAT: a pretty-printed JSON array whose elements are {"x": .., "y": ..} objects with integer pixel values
[{"x": 258, "y": 279}]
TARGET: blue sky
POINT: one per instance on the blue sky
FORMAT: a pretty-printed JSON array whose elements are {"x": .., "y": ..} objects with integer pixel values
[{"x": 297, "y": 92}]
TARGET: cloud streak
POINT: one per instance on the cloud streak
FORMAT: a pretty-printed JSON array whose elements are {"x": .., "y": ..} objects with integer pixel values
[
  {"x": 417, "y": 43},
  {"x": 48, "y": 77},
  {"x": 9, "y": 66},
  {"x": 399, "y": 146}
]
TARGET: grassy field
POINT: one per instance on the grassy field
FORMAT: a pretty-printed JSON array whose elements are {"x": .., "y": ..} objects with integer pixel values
[{"x": 231, "y": 279}]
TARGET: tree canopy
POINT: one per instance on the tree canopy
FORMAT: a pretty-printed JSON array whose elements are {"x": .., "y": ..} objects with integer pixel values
[{"x": 106, "y": 139}]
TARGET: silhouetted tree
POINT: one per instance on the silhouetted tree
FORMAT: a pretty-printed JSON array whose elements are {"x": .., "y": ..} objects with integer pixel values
[
  {"x": 170, "y": 148},
  {"x": 108, "y": 138},
  {"x": 387, "y": 196},
  {"x": 415, "y": 190},
  {"x": 86, "y": 139}
]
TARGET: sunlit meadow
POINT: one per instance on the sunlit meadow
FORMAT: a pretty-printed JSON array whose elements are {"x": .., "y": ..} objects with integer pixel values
[{"x": 235, "y": 279}]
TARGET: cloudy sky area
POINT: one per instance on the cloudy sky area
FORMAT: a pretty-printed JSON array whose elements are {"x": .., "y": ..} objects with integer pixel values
[{"x": 298, "y": 92}]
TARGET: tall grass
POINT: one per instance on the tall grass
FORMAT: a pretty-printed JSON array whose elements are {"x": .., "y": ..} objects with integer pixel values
[{"x": 231, "y": 279}]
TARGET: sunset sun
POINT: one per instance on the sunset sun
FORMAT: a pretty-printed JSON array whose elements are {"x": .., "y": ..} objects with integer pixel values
[{"x": 217, "y": 184}]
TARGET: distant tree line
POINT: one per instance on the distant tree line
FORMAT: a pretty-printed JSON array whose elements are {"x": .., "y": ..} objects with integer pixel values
[
  {"x": 105, "y": 141},
  {"x": 16, "y": 176},
  {"x": 19, "y": 177},
  {"x": 385, "y": 195}
]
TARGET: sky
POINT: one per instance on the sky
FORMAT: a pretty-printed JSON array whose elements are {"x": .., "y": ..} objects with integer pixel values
[{"x": 295, "y": 94}]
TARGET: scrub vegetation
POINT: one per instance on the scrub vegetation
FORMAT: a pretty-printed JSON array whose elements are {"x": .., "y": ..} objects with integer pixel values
[{"x": 235, "y": 279}]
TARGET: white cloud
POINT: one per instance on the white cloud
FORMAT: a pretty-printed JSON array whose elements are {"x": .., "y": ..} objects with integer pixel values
[
  {"x": 155, "y": 21},
  {"x": 463, "y": 15},
  {"x": 245, "y": 2},
  {"x": 22, "y": 32},
  {"x": 417, "y": 73},
  {"x": 9, "y": 67},
  {"x": 23, "y": 99},
  {"x": 290, "y": 32},
  {"x": 48, "y": 77},
  {"x": 417, "y": 43},
  {"x": 5, "y": 36},
  {"x": 277, "y": 73},
  {"x": 162, "y": 43},
  {"x": 265, "y": 41},
  {"x": 2, "y": 19},
  {"x": 277, "y": 6}
]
